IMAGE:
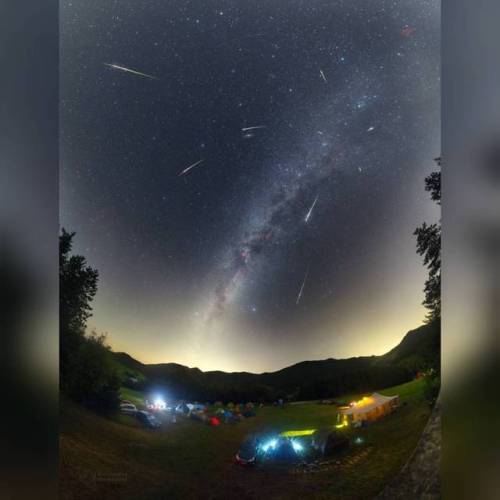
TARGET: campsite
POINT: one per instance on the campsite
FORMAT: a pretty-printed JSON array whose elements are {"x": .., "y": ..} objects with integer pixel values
[
  {"x": 249, "y": 248},
  {"x": 113, "y": 455}
]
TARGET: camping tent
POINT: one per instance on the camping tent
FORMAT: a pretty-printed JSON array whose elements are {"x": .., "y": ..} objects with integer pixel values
[
  {"x": 182, "y": 407},
  {"x": 369, "y": 408}
]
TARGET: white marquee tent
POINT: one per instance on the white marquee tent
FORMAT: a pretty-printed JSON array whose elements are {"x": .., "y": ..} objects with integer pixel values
[{"x": 369, "y": 408}]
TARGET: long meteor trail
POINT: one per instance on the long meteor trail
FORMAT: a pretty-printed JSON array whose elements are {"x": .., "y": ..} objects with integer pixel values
[
  {"x": 299, "y": 296},
  {"x": 309, "y": 213},
  {"x": 246, "y": 129},
  {"x": 128, "y": 70},
  {"x": 187, "y": 169},
  {"x": 323, "y": 75}
]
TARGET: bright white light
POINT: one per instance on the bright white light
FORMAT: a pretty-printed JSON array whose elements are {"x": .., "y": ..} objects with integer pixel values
[
  {"x": 297, "y": 446},
  {"x": 159, "y": 404},
  {"x": 270, "y": 444}
]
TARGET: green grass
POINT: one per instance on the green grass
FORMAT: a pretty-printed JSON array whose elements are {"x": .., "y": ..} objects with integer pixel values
[
  {"x": 192, "y": 460},
  {"x": 133, "y": 396}
]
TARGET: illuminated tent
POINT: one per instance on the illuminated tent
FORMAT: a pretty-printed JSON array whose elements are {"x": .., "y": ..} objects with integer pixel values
[{"x": 369, "y": 408}]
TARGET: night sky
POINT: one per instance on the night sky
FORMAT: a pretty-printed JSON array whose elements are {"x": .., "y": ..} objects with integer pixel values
[{"x": 282, "y": 243}]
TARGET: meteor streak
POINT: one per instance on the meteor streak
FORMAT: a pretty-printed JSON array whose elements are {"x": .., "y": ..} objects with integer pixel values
[
  {"x": 245, "y": 129},
  {"x": 128, "y": 70},
  {"x": 323, "y": 75},
  {"x": 309, "y": 213},
  {"x": 299, "y": 296},
  {"x": 187, "y": 169}
]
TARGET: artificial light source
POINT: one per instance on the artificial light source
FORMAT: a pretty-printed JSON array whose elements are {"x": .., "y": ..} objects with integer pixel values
[
  {"x": 159, "y": 404},
  {"x": 306, "y": 432},
  {"x": 270, "y": 444}
]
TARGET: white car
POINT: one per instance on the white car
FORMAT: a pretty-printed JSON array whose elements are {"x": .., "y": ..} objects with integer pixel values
[{"x": 128, "y": 408}]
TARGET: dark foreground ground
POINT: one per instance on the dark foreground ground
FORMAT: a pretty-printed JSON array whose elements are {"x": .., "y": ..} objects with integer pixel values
[
  {"x": 420, "y": 477},
  {"x": 112, "y": 457}
]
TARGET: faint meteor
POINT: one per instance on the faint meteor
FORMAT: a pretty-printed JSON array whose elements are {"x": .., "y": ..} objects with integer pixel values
[
  {"x": 128, "y": 70},
  {"x": 187, "y": 169},
  {"x": 299, "y": 296},
  {"x": 371, "y": 129},
  {"x": 246, "y": 129},
  {"x": 323, "y": 75},
  {"x": 309, "y": 213}
]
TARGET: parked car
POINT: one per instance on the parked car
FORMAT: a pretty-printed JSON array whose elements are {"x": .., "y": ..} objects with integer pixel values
[
  {"x": 148, "y": 419},
  {"x": 128, "y": 408}
]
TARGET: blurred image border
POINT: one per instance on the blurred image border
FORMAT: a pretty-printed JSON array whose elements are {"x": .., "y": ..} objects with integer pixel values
[
  {"x": 29, "y": 230},
  {"x": 29, "y": 145}
]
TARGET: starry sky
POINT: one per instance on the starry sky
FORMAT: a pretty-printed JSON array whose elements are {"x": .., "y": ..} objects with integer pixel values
[{"x": 309, "y": 126}]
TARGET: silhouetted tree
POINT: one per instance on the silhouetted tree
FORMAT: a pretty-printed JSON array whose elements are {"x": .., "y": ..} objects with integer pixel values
[
  {"x": 96, "y": 382},
  {"x": 86, "y": 372},
  {"x": 77, "y": 288},
  {"x": 429, "y": 247}
]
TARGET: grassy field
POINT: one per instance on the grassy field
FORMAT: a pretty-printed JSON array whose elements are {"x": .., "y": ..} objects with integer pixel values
[
  {"x": 113, "y": 457},
  {"x": 135, "y": 397}
]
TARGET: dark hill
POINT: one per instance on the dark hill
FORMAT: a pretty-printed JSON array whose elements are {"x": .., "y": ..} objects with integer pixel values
[{"x": 419, "y": 350}]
